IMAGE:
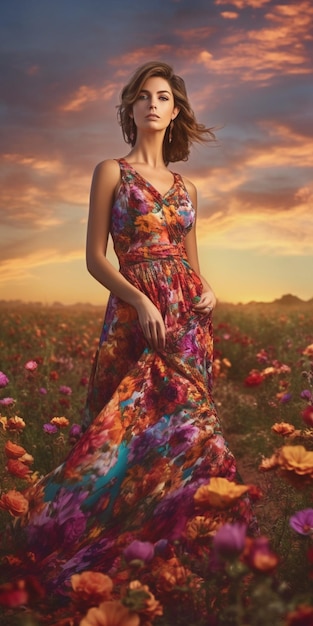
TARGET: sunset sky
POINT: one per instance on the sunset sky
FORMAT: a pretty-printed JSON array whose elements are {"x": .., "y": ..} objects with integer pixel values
[{"x": 248, "y": 67}]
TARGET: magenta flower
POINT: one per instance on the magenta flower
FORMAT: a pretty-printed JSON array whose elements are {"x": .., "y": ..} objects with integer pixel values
[
  {"x": 75, "y": 430},
  {"x": 43, "y": 391},
  {"x": 7, "y": 401},
  {"x": 306, "y": 394},
  {"x": 31, "y": 366},
  {"x": 50, "y": 429},
  {"x": 3, "y": 380},
  {"x": 139, "y": 551},
  {"x": 75, "y": 433},
  {"x": 229, "y": 540},
  {"x": 67, "y": 391},
  {"x": 302, "y": 522}
]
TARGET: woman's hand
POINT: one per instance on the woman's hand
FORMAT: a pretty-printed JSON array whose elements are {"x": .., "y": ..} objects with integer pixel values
[
  {"x": 207, "y": 301},
  {"x": 152, "y": 323}
]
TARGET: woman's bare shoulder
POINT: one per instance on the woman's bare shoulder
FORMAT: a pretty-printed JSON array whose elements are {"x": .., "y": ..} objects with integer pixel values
[
  {"x": 191, "y": 188},
  {"x": 107, "y": 168}
]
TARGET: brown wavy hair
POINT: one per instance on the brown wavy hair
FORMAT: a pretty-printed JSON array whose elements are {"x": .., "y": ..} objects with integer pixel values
[{"x": 186, "y": 129}]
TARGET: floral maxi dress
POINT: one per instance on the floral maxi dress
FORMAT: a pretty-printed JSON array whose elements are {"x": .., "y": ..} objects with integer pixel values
[{"x": 152, "y": 436}]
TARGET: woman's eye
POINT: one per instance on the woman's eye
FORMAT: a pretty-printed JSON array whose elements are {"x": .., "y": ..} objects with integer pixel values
[
  {"x": 142, "y": 96},
  {"x": 163, "y": 98}
]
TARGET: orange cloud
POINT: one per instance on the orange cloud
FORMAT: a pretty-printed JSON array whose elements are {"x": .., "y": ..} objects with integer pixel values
[
  {"x": 13, "y": 269},
  {"x": 85, "y": 94},
  {"x": 229, "y": 15},
  {"x": 241, "y": 228},
  {"x": 259, "y": 55},
  {"x": 138, "y": 56},
  {"x": 194, "y": 34},
  {"x": 243, "y": 4}
]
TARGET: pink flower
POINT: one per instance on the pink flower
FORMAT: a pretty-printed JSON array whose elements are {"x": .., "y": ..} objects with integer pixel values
[
  {"x": 66, "y": 390},
  {"x": 139, "y": 551},
  {"x": 3, "y": 380},
  {"x": 229, "y": 540},
  {"x": 7, "y": 401},
  {"x": 31, "y": 366}
]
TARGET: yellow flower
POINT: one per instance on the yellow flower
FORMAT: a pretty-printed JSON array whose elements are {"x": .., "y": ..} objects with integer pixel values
[
  {"x": 201, "y": 527},
  {"x": 112, "y": 613},
  {"x": 3, "y": 422},
  {"x": 220, "y": 493},
  {"x": 296, "y": 459}
]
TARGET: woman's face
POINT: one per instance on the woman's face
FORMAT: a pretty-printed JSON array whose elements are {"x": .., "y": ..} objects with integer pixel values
[{"x": 154, "y": 108}]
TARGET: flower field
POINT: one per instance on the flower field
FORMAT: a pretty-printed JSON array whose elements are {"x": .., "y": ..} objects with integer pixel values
[{"x": 263, "y": 372}]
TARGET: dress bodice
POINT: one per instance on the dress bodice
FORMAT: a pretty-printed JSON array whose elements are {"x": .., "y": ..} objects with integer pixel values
[{"x": 145, "y": 223}]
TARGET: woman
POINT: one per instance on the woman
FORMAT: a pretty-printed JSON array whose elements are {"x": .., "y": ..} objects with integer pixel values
[{"x": 152, "y": 437}]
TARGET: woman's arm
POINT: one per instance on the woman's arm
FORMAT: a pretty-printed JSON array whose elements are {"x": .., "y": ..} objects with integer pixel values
[
  {"x": 208, "y": 299},
  {"x": 106, "y": 179}
]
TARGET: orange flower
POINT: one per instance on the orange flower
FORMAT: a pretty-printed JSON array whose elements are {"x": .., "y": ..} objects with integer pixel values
[
  {"x": 92, "y": 586},
  {"x": 283, "y": 428},
  {"x": 308, "y": 350},
  {"x": 220, "y": 493},
  {"x": 14, "y": 502},
  {"x": 172, "y": 574},
  {"x": 150, "y": 606},
  {"x": 296, "y": 459},
  {"x": 201, "y": 527},
  {"x": 148, "y": 223},
  {"x": 259, "y": 556},
  {"x": 13, "y": 451},
  {"x": 17, "y": 468},
  {"x": 62, "y": 422},
  {"x": 112, "y": 613},
  {"x": 16, "y": 423}
]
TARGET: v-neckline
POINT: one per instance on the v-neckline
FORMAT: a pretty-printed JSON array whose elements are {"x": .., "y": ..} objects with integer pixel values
[{"x": 147, "y": 182}]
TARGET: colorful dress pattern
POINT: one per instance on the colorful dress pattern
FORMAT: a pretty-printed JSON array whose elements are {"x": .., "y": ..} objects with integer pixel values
[{"x": 152, "y": 436}]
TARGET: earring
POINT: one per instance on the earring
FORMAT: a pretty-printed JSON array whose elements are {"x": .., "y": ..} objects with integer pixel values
[
  {"x": 132, "y": 131},
  {"x": 170, "y": 135}
]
